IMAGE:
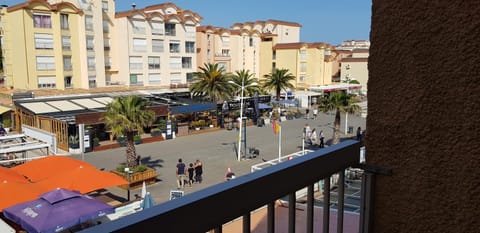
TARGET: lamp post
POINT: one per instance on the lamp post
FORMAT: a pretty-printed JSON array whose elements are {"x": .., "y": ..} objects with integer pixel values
[
  {"x": 239, "y": 155},
  {"x": 127, "y": 170}
]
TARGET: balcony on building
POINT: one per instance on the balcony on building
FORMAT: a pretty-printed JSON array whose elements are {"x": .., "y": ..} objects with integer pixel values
[{"x": 239, "y": 198}]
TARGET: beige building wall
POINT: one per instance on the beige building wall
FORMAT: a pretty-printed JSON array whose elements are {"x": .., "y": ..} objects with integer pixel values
[
  {"x": 77, "y": 50},
  {"x": 267, "y": 55},
  {"x": 139, "y": 36},
  {"x": 356, "y": 68},
  {"x": 310, "y": 63}
]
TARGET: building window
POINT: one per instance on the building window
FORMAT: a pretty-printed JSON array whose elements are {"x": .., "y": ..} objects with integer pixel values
[
  {"x": 45, "y": 62},
  {"x": 154, "y": 79},
  {"x": 175, "y": 78},
  {"x": 89, "y": 42},
  {"x": 66, "y": 42},
  {"x": 108, "y": 63},
  {"x": 92, "y": 81},
  {"x": 175, "y": 62},
  {"x": 302, "y": 78},
  {"x": 157, "y": 28},
  {"x": 106, "y": 26},
  {"x": 186, "y": 62},
  {"x": 91, "y": 62},
  {"x": 225, "y": 41},
  {"x": 190, "y": 31},
  {"x": 250, "y": 42},
  {"x": 174, "y": 46},
  {"x": 170, "y": 29},
  {"x": 189, "y": 47},
  {"x": 138, "y": 26},
  {"x": 42, "y": 20},
  {"x": 136, "y": 63},
  {"x": 104, "y": 6},
  {"x": 157, "y": 46},
  {"x": 64, "y": 21},
  {"x": 136, "y": 79},
  {"x": 225, "y": 52},
  {"x": 139, "y": 45},
  {"x": 222, "y": 65},
  {"x": 303, "y": 54},
  {"x": 67, "y": 63},
  {"x": 153, "y": 63},
  {"x": 190, "y": 77},
  {"x": 46, "y": 82},
  {"x": 68, "y": 81},
  {"x": 88, "y": 22},
  {"x": 303, "y": 67},
  {"x": 43, "y": 41},
  {"x": 106, "y": 44}
]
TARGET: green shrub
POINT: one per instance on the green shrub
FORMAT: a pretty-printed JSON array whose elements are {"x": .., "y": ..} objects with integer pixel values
[
  {"x": 7, "y": 123},
  {"x": 136, "y": 137},
  {"x": 155, "y": 130}
]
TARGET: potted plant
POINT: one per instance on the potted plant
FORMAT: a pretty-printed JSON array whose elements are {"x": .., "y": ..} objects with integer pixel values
[
  {"x": 73, "y": 142},
  {"x": 137, "y": 139},
  {"x": 201, "y": 123},
  {"x": 155, "y": 132},
  {"x": 96, "y": 141}
]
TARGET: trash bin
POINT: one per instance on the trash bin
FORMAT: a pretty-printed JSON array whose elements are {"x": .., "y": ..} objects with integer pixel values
[{"x": 350, "y": 129}]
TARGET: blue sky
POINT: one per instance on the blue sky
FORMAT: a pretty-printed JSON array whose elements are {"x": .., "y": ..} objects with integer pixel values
[{"x": 330, "y": 21}]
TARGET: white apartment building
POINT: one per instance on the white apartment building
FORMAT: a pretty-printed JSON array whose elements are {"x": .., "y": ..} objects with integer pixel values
[{"x": 156, "y": 46}]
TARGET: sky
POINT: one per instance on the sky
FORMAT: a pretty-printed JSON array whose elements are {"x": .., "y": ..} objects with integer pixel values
[{"x": 328, "y": 21}]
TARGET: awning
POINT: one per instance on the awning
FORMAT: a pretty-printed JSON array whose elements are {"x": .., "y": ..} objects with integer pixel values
[
  {"x": 193, "y": 108},
  {"x": 4, "y": 109}
]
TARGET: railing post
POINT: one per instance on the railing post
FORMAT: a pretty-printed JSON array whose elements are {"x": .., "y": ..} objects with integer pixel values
[
  {"x": 246, "y": 223},
  {"x": 271, "y": 217},
  {"x": 341, "y": 200},
  {"x": 310, "y": 205},
  {"x": 292, "y": 208},
  {"x": 326, "y": 205}
]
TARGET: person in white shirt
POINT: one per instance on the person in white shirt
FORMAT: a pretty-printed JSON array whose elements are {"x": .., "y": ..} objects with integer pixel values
[{"x": 313, "y": 137}]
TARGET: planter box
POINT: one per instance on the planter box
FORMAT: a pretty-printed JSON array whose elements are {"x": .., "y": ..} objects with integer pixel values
[{"x": 136, "y": 179}]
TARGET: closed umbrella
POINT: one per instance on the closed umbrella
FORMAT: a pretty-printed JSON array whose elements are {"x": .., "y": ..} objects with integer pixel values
[
  {"x": 56, "y": 211},
  {"x": 147, "y": 201}
]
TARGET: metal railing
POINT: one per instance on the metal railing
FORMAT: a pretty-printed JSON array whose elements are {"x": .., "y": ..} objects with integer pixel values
[{"x": 219, "y": 204}]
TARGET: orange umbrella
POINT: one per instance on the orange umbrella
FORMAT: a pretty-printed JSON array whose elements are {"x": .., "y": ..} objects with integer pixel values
[
  {"x": 82, "y": 179},
  {"x": 12, "y": 193},
  {"x": 49, "y": 166},
  {"x": 10, "y": 175}
]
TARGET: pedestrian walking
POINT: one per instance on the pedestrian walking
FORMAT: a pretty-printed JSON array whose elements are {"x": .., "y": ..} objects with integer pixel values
[
  {"x": 180, "y": 172},
  {"x": 198, "y": 171},
  {"x": 322, "y": 138},
  {"x": 229, "y": 175},
  {"x": 315, "y": 113},
  {"x": 306, "y": 133},
  {"x": 191, "y": 171},
  {"x": 307, "y": 111},
  {"x": 313, "y": 137},
  {"x": 359, "y": 133}
]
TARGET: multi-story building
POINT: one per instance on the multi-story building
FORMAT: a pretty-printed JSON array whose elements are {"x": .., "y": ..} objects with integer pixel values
[
  {"x": 232, "y": 49},
  {"x": 56, "y": 44},
  {"x": 310, "y": 63},
  {"x": 157, "y": 46},
  {"x": 355, "y": 67}
]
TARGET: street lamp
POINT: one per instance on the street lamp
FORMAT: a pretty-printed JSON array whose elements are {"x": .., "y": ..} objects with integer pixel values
[
  {"x": 239, "y": 155},
  {"x": 127, "y": 170}
]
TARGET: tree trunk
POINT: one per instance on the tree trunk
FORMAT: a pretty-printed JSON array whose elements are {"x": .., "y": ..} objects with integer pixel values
[
  {"x": 278, "y": 94},
  {"x": 131, "y": 153},
  {"x": 336, "y": 128}
]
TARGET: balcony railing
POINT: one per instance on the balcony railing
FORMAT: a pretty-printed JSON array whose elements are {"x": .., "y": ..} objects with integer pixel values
[{"x": 216, "y": 205}]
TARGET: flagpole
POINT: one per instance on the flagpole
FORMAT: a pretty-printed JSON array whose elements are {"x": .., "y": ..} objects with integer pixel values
[{"x": 279, "y": 143}]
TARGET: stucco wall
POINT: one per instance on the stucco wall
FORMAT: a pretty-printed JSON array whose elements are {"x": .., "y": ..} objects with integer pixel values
[{"x": 424, "y": 115}]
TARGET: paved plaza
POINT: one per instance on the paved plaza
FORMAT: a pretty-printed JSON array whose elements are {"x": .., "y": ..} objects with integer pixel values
[{"x": 216, "y": 150}]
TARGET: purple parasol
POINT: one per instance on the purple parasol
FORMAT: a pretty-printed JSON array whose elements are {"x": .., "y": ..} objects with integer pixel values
[{"x": 56, "y": 210}]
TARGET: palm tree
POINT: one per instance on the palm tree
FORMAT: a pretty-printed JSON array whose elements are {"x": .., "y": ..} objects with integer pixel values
[
  {"x": 340, "y": 102},
  {"x": 211, "y": 82},
  {"x": 244, "y": 76},
  {"x": 126, "y": 116},
  {"x": 278, "y": 80}
]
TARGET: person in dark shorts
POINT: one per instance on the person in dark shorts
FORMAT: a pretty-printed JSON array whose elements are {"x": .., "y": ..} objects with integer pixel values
[
  {"x": 180, "y": 171},
  {"x": 191, "y": 171},
  {"x": 198, "y": 171}
]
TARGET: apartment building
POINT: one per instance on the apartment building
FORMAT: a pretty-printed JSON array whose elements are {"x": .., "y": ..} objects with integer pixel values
[
  {"x": 355, "y": 67},
  {"x": 233, "y": 50},
  {"x": 56, "y": 44},
  {"x": 310, "y": 63},
  {"x": 157, "y": 46}
]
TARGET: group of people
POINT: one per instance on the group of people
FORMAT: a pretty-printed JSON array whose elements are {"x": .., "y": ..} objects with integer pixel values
[
  {"x": 194, "y": 172},
  {"x": 312, "y": 137}
]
